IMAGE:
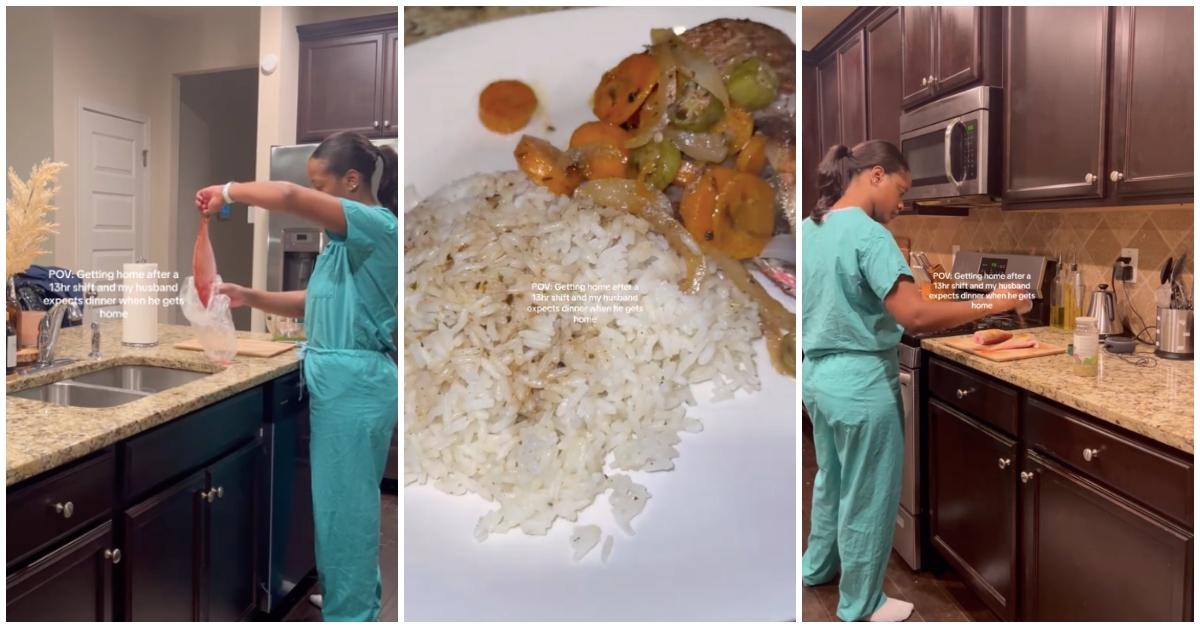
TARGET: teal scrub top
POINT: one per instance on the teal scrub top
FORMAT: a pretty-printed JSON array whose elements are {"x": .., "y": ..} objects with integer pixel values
[
  {"x": 351, "y": 300},
  {"x": 850, "y": 263}
]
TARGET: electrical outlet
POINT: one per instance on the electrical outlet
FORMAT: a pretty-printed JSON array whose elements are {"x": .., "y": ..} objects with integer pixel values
[{"x": 1132, "y": 254}]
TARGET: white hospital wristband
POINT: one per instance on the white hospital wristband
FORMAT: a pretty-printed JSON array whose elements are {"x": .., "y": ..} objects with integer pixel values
[{"x": 225, "y": 193}]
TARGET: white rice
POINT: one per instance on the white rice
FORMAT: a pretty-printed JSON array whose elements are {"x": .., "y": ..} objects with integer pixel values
[{"x": 525, "y": 408}]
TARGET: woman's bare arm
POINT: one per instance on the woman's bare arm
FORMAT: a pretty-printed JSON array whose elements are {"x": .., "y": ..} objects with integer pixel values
[
  {"x": 916, "y": 314},
  {"x": 289, "y": 303},
  {"x": 282, "y": 196}
]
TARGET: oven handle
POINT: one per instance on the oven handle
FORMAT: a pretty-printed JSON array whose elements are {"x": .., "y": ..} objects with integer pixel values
[{"x": 946, "y": 144}]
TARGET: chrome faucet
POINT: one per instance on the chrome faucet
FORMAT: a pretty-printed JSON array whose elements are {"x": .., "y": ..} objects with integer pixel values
[{"x": 50, "y": 326}]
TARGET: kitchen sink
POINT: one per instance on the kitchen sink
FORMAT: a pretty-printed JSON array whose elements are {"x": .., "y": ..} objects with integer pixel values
[
  {"x": 110, "y": 387},
  {"x": 145, "y": 379},
  {"x": 69, "y": 393}
]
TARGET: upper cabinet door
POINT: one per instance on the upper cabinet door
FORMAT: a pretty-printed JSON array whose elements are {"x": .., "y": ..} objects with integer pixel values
[
  {"x": 1152, "y": 124},
  {"x": 959, "y": 47},
  {"x": 851, "y": 77},
  {"x": 827, "y": 83},
  {"x": 884, "y": 92},
  {"x": 916, "y": 55},
  {"x": 390, "y": 123},
  {"x": 341, "y": 86},
  {"x": 1055, "y": 102}
]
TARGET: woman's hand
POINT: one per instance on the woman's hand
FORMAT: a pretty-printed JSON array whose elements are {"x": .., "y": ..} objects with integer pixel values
[
  {"x": 237, "y": 294},
  {"x": 210, "y": 200}
]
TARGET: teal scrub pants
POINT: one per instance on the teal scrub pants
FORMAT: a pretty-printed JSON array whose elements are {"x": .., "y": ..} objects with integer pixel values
[
  {"x": 857, "y": 414},
  {"x": 352, "y": 411}
]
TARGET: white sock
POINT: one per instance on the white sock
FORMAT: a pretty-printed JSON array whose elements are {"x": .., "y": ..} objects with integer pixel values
[
  {"x": 316, "y": 600},
  {"x": 893, "y": 610}
]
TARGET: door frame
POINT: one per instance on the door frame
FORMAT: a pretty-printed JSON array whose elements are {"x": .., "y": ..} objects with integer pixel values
[{"x": 142, "y": 248}]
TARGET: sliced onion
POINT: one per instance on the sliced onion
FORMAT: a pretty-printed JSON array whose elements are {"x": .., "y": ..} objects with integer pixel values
[
  {"x": 778, "y": 324},
  {"x": 653, "y": 207},
  {"x": 709, "y": 147},
  {"x": 700, "y": 68},
  {"x": 653, "y": 118}
]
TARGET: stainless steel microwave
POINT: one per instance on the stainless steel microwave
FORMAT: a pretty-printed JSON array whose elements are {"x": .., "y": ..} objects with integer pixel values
[{"x": 953, "y": 146}]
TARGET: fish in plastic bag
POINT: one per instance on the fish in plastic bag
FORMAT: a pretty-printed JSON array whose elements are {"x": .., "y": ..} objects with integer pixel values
[{"x": 213, "y": 323}]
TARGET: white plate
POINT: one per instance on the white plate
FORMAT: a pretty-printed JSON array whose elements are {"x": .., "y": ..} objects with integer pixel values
[{"x": 717, "y": 540}]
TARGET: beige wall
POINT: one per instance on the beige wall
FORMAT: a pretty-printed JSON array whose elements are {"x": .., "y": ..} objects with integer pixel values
[
  {"x": 277, "y": 94},
  {"x": 1093, "y": 237}
]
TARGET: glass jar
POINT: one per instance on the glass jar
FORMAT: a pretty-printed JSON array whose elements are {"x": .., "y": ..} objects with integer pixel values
[{"x": 1086, "y": 355}]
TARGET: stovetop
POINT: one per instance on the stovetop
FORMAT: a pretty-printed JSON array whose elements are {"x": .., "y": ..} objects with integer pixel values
[{"x": 1007, "y": 321}]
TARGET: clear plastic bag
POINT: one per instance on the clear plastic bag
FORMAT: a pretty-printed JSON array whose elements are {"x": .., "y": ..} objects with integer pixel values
[{"x": 213, "y": 324}]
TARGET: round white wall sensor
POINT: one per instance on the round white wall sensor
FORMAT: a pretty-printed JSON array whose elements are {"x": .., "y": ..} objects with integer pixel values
[{"x": 269, "y": 63}]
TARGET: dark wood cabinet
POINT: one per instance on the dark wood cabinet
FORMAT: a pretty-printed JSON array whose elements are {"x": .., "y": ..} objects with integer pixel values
[
  {"x": 830, "y": 103},
  {"x": 1091, "y": 555},
  {"x": 1152, "y": 125},
  {"x": 810, "y": 136},
  {"x": 233, "y": 533},
  {"x": 1055, "y": 103},
  {"x": 916, "y": 56},
  {"x": 71, "y": 584},
  {"x": 852, "y": 90},
  {"x": 344, "y": 78},
  {"x": 972, "y": 499},
  {"x": 958, "y": 47},
  {"x": 164, "y": 556},
  {"x": 884, "y": 90}
]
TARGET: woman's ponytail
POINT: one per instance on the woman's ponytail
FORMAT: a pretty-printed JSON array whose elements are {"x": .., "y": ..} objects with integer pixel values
[
  {"x": 842, "y": 164},
  {"x": 388, "y": 179},
  {"x": 833, "y": 175}
]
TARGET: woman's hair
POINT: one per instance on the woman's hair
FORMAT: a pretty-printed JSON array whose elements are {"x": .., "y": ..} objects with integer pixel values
[
  {"x": 352, "y": 151},
  {"x": 842, "y": 164}
]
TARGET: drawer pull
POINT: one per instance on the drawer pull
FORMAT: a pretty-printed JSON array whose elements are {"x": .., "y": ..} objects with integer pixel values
[
  {"x": 963, "y": 392},
  {"x": 1004, "y": 462},
  {"x": 114, "y": 555},
  {"x": 208, "y": 496},
  {"x": 66, "y": 510},
  {"x": 221, "y": 492},
  {"x": 1026, "y": 476},
  {"x": 1090, "y": 454}
]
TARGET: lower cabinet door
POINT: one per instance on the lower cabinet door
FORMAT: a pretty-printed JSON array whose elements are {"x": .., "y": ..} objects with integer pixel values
[
  {"x": 233, "y": 535},
  {"x": 72, "y": 583},
  {"x": 165, "y": 557},
  {"x": 1091, "y": 555}
]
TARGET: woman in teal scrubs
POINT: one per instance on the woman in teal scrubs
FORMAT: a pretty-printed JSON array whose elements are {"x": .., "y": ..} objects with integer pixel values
[
  {"x": 859, "y": 297},
  {"x": 349, "y": 312}
]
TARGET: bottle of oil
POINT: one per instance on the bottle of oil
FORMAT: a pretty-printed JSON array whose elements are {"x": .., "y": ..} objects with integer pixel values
[
  {"x": 1056, "y": 297},
  {"x": 1071, "y": 309}
]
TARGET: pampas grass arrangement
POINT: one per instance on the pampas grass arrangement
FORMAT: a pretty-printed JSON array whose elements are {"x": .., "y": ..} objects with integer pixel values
[{"x": 28, "y": 211}]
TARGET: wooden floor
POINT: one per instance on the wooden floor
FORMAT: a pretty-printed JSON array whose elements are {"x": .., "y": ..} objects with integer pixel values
[
  {"x": 937, "y": 593},
  {"x": 389, "y": 540}
]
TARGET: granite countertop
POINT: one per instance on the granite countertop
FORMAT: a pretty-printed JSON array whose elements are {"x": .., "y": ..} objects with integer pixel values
[
  {"x": 42, "y": 436},
  {"x": 1155, "y": 402}
]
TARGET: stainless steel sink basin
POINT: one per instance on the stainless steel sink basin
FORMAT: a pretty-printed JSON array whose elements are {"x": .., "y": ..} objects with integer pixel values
[
  {"x": 146, "y": 379},
  {"x": 110, "y": 387},
  {"x": 68, "y": 393}
]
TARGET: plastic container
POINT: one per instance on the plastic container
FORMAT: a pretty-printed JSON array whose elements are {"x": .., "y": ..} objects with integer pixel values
[{"x": 1086, "y": 354}]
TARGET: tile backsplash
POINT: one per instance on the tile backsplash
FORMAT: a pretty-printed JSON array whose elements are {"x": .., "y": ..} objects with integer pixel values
[{"x": 1094, "y": 238}]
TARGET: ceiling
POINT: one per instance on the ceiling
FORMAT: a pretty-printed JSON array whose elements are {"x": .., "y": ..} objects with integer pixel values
[
  {"x": 817, "y": 22},
  {"x": 172, "y": 13}
]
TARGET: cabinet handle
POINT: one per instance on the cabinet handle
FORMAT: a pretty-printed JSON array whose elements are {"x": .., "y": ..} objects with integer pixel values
[
  {"x": 208, "y": 496},
  {"x": 963, "y": 393},
  {"x": 1090, "y": 454},
  {"x": 387, "y": 124},
  {"x": 1026, "y": 477},
  {"x": 113, "y": 554},
  {"x": 1115, "y": 176},
  {"x": 221, "y": 492},
  {"x": 1089, "y": 178},
  {"x": 1004, "y": 462},
  {"x": 924, "y": 81},
  {"x": 66, "y": 510},
  {"x": 375, "y": 124}
]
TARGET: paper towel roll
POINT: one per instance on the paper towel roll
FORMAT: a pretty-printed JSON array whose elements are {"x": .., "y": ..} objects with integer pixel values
[{"x": 140, "y": 323}]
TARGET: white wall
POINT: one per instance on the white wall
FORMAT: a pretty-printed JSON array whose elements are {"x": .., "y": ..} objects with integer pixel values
[
  {"x": 30, "y": 122},
  {"x": 218, "y": 113}
]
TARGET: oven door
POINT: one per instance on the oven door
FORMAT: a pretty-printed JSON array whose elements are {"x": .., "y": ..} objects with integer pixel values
[{"x": 948, "y": 159}]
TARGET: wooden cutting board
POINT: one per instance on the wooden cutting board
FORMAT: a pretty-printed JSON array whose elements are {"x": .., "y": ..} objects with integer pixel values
[
  {"x": 967, "y": 343},
  {"x": 245, "y": 346}
]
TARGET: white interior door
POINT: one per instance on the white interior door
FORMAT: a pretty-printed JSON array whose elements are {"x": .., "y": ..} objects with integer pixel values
[{"x": 111, "y": 210}]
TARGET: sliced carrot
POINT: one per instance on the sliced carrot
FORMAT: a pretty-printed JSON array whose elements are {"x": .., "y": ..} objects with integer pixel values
[
  {"x": 506, "y": 106},
  {"x": 623, "y": 89},
  {"x": 698, "y": 206},
  {"x": 603, "y": 148},
  {"x": 753, "y": 155},
  {"x": 737, "y": 126},
  {"x": 547, "y": 166},
  {"x": 744, "y": 216}
]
